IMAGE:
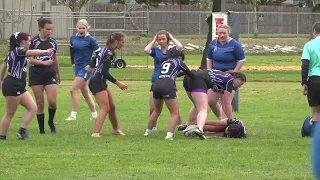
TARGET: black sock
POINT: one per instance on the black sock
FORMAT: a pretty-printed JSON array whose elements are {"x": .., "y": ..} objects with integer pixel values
[
  {"x": 22, "y": 130},
  {"x": 3, "y": 137},
  {"x": 40, "y": 118},
  {"x": 52, "y": 112}
]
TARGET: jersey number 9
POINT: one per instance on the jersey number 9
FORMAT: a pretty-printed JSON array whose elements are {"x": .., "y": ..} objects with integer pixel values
[{"x": 165, "y": 68}]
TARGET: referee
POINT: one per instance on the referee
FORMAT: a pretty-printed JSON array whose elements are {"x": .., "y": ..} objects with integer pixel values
[{"x": 310, "y": 71}]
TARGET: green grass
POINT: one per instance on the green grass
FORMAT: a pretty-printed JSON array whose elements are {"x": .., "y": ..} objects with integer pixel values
[
  {"x": 131, "y": 74},
  {"x": 251, "y": 60},
  {"x": 272, "y": 112},
  {"x": 195, "y": 60}
]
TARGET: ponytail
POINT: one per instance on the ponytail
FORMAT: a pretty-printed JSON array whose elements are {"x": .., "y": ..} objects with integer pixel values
[
  {"x": 16, "y": 39},
  {"x": 117, "y": 36}
]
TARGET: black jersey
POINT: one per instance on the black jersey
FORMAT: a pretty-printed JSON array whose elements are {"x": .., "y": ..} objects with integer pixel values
[
  {"x": 16, "y": 62},
  {"x": 217, "y": 80},
  {"x": 171, "y": 67},
  {"x": 106, "y": 58},
  {"x": 37, "y": 43}
]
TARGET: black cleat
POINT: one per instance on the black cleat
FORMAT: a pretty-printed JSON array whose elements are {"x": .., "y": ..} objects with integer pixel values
[
  {"x": 22, "y": 136},
  {"x": 182, "y": 127}
]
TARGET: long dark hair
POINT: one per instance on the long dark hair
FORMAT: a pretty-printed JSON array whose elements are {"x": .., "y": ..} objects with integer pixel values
[
  {"x": 117, "y": 36},
  {"x": 15, "y": 39},
  {"x": 174, "y": 53},
  {"x": 236, "y": 131}
]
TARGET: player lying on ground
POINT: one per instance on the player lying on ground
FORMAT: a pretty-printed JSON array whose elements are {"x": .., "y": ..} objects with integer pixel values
[
  {"x": 198, "y": 86},
  {"x": 230, "y": 128}
]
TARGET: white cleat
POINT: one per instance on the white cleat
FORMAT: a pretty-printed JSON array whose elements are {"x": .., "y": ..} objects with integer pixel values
[
  {"x": 96, "y": 135},
  {"x": 93, "y": 118},
  {"x": 169, "y": 138},
  {"x": 71, "y": 118}
]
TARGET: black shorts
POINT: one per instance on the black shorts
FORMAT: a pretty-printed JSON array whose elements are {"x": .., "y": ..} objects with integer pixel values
[
  {"x": 314, "y": 91},
  {"x": 13, "y": 87},
  {"x": 42, "y": 78},
  {"x": 151, "y": 87},
  {"x": 195, "y": 84},
  {"x": 96, "y": 86},
  {"x": 164, "y": 89}
]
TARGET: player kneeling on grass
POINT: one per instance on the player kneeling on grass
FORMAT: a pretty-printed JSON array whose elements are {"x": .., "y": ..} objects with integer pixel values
[
  {"x": 99, "y": 88},
  {"x": 164, "y": 90},
  {"x": 229, "y": 128},
  {"x": 14, "y": 85},
  {"x": 198, "y": 86}
]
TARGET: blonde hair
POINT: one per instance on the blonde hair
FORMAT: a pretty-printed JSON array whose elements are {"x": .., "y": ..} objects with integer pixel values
[
  {"x": 83, "y": 22},
  {"x": 224, "y": 26}
]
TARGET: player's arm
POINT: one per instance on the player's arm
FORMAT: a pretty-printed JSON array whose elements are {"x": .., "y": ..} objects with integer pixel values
[
  {"x": 71, "y": 52},
  {"x": 305, "y": 65},
  {"x": 239, "y": 55},
  {"x": 185, "y": 69},
  {"x": 209, "y": 55},
  {"x": 304, "y": 71},
  {"x": 97, "y": 49},
  {"x": 3, "y": 70},
  {"x": 105, "y": 71},
  {"x": 36, "y": 52},
  {"x": 226, "y": 99},
  {"x": 148, "y": 48},
  {"x": 107, "y": 59},
  {"x": 57, "y": 65},
  {"x": 178, "y": 44},
  {"x": 31, "y": 58}
]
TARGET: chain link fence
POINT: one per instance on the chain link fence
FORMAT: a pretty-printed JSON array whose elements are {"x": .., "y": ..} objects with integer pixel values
[{"x": 260, "y": 32}]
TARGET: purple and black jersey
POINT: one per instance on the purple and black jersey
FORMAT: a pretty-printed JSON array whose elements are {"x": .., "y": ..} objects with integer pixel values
[
  {"x": 220, "y": 81},
  {"x": 171, "y": 67},
  {"x": 106, "y": 58},
  {"x": 16, "y": 62}
]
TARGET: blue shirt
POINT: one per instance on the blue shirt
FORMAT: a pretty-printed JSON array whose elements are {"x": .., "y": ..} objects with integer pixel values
[
  {"x": 226, "y": 56},
  {"x": 158, "y": 57},
  {"x": 83, "y": 47}
]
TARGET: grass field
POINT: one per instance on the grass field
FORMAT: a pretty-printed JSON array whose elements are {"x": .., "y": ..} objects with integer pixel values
[
  {"x": 195, "y": 60},
  {"x": 271, "y": 106}
]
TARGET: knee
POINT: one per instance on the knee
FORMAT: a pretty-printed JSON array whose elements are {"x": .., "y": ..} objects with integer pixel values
[
  {"x": 52, "y": 104},
  {"x": 10, "y": 114},
  {"x": 175, "y": 115},
  {"x": 105, "y": 108},
  {"x": 73, "y": 92},
  {"x": 39, "y": 106},
  {"x": 33, "y": 109},
  {"x": 85, "y": 94},
  {"x": 156, "y": 112}
]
